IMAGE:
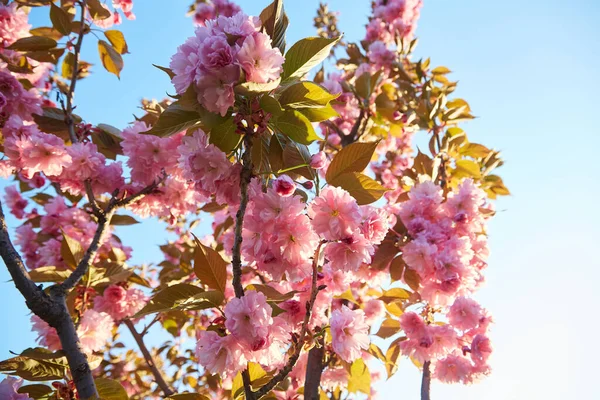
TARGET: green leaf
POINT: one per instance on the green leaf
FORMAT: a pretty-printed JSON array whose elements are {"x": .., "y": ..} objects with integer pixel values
[
  {"x": 60, "y": 19},
  {"x": 305, "y": 54},
  {"x": 352, "y": 158},
  {"x": 296, "y": 126},
  {"x": 109, "y": 389},
  {"x": 97, "y": 11},
  {"x": 225, "y": 136},
  {"x": 174, "y": 120},
  {"x": 274, "y": 23},
  {"x": 360, "y": 377},
  {"x": 260, "y": 154},
  {"x": 123, "y": 220},
  {"x": 117, "y": 39},
  {"x": 111, "y": 59},
  {"x": 319, "y": 114},
  {"x": 253, "y": 89},
  {"x": 467, "y": 169},
  {"x": 210, "y": 267},
  {"x": 474, "y": 150},
  {"x": 37, "y": 391},
  {"x": 36, "y": 364},
  {"x": 270, "y": 105},
  {"x": 181, "y": 296},
  {"x": 364, "y": 189},
  {"x": 271, "y": 293},
  {"x": 306, "y": 95},
  {"x": 33, "y": 43}
]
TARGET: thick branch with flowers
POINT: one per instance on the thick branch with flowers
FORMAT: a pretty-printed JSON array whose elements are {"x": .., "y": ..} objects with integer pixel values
[{"x": 324, "y": 223}]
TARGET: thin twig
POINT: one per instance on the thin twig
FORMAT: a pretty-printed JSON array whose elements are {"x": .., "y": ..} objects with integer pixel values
[
  {"x": 283, "y": 373},
  {"x": 160, "y": 380},
  {"x": 245, "y": 178}
]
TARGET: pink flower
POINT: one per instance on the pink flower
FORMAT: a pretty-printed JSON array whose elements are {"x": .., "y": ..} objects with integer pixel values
[
  {"x": 47, "y": 336},
  {"x": 94, "y": 331},
  {"x": 15, "y": 202},
  {"x": 465, "y": 313},
  {"x": 374, "y": 310},
  {"x": 481, "y": 348},
  {"x": 40, "y": 152},
  {"x": 9, "y": 387},
  {"x": 18, "y": 102},
  {"x": 375, "y": 224},
  {"x": 13, "y": 24},
  {"x": 86, "y": 162},
  {"x": 349, "y": 333},
  {"x": 284, "y": 186},
  {"x": 220, "y": 355},
  {"x": 261, "y": 62},
  {"x": 248, "y": 319},
  {"x": 318, "y": 160},
  {"x": 215, "y": 53},
  {"x": 334, "y": 213},
  {"x": 350, "y": 253},
  {"x": 120, "y": 303},
  {"x": 412, "y": 324},
  {"x": 380, "y": 55},
  {"x": 237, "y": 25},
  {"x": 185, "y": 64},
  {"x": 453, "y": 369},
  {"x": 215, "y": 89}
]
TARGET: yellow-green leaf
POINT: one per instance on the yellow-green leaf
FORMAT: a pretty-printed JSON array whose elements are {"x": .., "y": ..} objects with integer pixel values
[
  {"x": 364, "y": 189},
  {"x": 360, "y": 377},
  {"x": 225, "y": 136},
  {"x": 187, "y": 396},
  {"x": 71, "y": 251},
  {"x": 111, "y": 59},
  {"x": 174, "y": 120},
  {"x": 109, "y": 389},
  {"x": 395, "y": 294},
  {"x": 117, "y": 40},
  {"x": 352, "y": 158},
  {"x": 168, "y": 298},
  {"x": 97, "y": 10},
  {"x": 305, "y": 54},
  {"x": 67, "y": 66},
  {"x": 296, "y": 126},
  {"x": 306, "y": 95},
  {"x": 319, "y": 114},
  {"x": 257, "y": 375}
]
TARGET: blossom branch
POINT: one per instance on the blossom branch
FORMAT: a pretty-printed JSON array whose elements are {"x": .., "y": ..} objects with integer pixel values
[
  {"x": 52, "y": 310},
  {"x": 314, "y": 369},
  {"x": 76, "y": 50},
  {"x": 426, "y": 381},
  {"x": 314, "y": 291},
  {"x": 245, "y": 178},
  {"x": 160, "y": 380}
]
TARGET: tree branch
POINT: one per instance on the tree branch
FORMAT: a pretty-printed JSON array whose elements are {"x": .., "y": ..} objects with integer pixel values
[
  {"x": 314, "y": 291},
  {"x": 351, "y": 137},
  {"x": 426, "y": 382},
  {"x": 245, "y": 178},
  {"x": 160, "y": 380},
  {"x": 314, "y": 369}
]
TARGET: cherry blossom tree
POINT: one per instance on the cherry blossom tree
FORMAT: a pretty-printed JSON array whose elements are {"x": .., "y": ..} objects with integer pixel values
[{"x": 335, "y": 248}]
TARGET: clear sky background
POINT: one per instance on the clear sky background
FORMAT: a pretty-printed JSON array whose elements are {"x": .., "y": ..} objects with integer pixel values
[{"x": 529, "y": 70}]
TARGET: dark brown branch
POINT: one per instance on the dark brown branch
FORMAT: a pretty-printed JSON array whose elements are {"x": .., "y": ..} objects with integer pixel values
[
  {"x": 426, "y": 382},
  {"x": 314, "y": 369},
  {"x": 351, "y": 137},
  {"x": 160, "y": 380},
  {"x": 314, "y": 291},
  {"x": 53, "y": 310},
  {"x": 245, "y": 178}
]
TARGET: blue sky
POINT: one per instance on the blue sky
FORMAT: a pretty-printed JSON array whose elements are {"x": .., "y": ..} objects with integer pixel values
[{"x": 529, "y": 71}]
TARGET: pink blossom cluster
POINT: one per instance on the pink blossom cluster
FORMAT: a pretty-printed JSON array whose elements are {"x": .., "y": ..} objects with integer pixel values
[
  {"x": 13, "y": 24},
  {"x": 346, "y": 105},
  {"x": 225, "y": 52},
  {"x": 210, "y": 9},
  {"x": 449, "y": 246},
  {"x": 393, "y": 19},
  {"x": 16, "y": 102},
  {"x": 126, "y": 7},
  {"x": 94, "y": 331},
  {"x": 396, "y": 155},
  {"x": 120, "y": 303},
  {"x": 9, "y": 387},
  {"x": 254, "y": 335}
]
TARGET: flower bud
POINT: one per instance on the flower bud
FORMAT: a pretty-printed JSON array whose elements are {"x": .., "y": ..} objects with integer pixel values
[{"x": 284, "y": 186}]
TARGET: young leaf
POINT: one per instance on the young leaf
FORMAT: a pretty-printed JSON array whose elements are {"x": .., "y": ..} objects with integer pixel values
[
  {"x": 168, "y": 71},
  {"x": 306, "y": 95},
  {"x": 71, "y": 251},
  {"x": 33, "y": 43},
  {"x": 352, "y": 158},
  {"x": 111, "y": 59},
  {"x": 60, "y": 19},
  {"x": 389, "y": 327},
  {"x": 109, "y": 389},
  {"x": 360, "y": 377},
  {"x": 296, "y": 126},
  {"x": 305, "y": 54},
  {"x": 117, "y": 39},
  {"x": 173, "y": 120},
  {"x": 47, "y": 32},
  {"x": 395, "y": 294},
  {"x": 67, "y": 66},
  {"x": 364, "y": 189},
  {"x": 168, "y": 298},
  {"x": 319, "y": 114},
  {"x": 123, "y": 220},
  {"x": 210, "y": 267},
  {"x": 274, "y": 23}
]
